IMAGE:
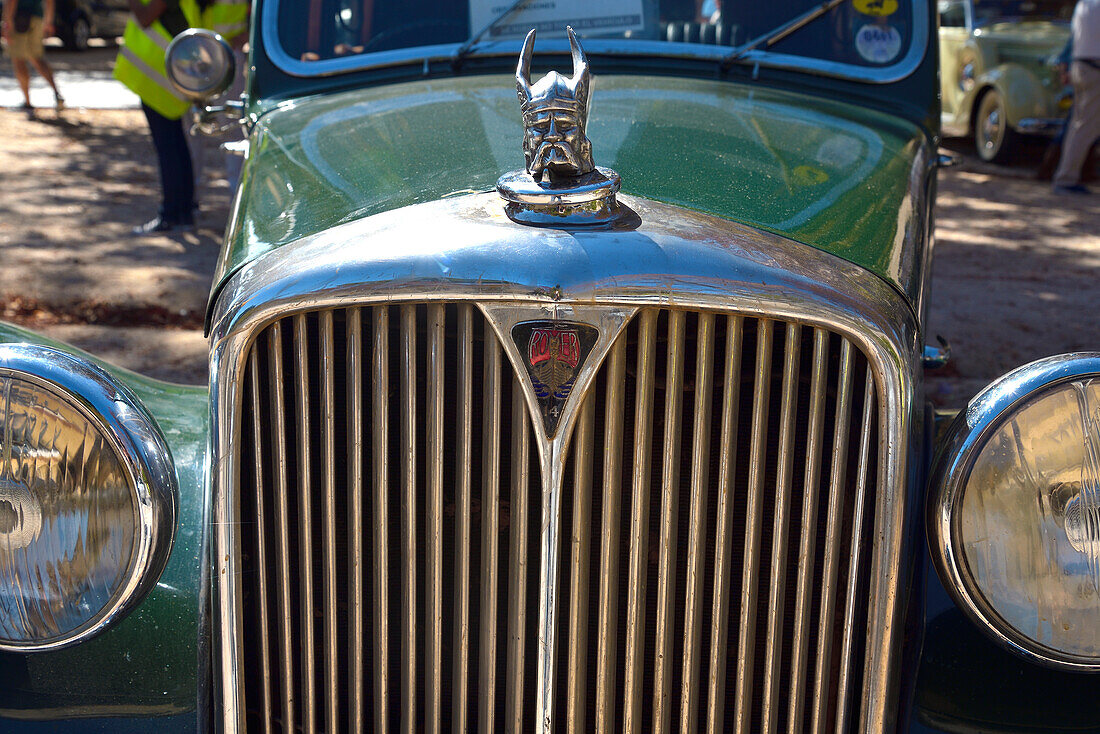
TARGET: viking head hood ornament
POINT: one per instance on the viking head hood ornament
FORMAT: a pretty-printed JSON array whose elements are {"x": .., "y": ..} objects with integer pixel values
[{"x": 555, "y": 114}]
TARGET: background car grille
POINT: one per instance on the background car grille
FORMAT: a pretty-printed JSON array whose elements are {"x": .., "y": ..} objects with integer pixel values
[{"x": 716, "y": 528}]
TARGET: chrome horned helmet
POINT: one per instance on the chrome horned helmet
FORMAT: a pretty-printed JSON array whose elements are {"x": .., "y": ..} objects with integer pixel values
[{"x": 555, "y": 113}]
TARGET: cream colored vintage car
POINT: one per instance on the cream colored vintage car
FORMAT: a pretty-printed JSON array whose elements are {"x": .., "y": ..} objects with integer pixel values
[{"x": 997, "y": 70}]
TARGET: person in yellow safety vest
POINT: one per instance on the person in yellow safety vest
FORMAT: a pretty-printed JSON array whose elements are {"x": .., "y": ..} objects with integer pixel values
[
  {"x": 228, "y": 18},
  {"x": 140, "y": 66}
]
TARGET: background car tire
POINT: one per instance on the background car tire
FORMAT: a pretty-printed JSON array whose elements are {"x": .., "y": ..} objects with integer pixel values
[
  {"x": 994, "y": 138},
  {"x": 75, "y": 36}
]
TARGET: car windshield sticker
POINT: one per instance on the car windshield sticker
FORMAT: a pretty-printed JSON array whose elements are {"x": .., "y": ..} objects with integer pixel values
[
  {"x": 877, "y": 8},
  {"x": 549, "y": 17},
  {"x": 878, "y": 44}
]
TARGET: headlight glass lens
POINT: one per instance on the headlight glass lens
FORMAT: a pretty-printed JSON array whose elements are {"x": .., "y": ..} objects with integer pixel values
[
  {"x": 68, "y": 520},
  {"x": 1028, "y": 520}
]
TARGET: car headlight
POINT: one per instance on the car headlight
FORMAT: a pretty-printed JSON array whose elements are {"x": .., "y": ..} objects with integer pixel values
[
  {"x": 1014, "y": 510},
  {"x": 87, "y": 499}
]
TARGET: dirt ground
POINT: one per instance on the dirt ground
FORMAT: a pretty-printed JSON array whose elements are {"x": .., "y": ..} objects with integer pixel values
[{"x": 1015, "y": 272}]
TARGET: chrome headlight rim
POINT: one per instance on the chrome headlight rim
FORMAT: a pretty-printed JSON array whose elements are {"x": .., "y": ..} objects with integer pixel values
[
  {"x": 143, "y": 453},
  {"x": 985, "y": 414}
]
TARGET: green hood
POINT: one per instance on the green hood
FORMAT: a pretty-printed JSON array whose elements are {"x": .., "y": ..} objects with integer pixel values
[{"x": 839, "y": 178}]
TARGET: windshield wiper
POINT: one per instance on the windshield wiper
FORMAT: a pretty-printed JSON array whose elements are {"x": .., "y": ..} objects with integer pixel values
[
  {"x": 464, "y": 50},
  {"x": 778, "y": 33}
]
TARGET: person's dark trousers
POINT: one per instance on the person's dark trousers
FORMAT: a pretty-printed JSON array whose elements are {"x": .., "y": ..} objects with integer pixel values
[{"x": 177, "y": 181}]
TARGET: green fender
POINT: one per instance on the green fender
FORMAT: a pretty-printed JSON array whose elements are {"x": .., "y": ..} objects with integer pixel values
[
  {"x": 1023, "y": 94},
  {"x": 149, "y": 663}
]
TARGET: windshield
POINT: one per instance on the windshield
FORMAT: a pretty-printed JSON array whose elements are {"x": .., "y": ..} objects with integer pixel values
[
  {"x": 856, "y": 33},
  {"x": 995, "y": 11}
]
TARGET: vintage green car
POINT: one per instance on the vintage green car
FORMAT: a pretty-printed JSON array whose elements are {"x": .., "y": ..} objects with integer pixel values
[
  {"x": 597, "y": 409},
  {"x": 998, "y": 72}
]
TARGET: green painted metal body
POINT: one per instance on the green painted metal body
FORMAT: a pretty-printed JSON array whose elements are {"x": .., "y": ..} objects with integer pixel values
[
  {"x": 841, "y": 178},
  {"x": 151, "y": 665}
]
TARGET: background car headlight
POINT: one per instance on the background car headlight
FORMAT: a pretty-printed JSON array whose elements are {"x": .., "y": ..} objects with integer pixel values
[
  {"x": 1014, "y": 510},
  {"x": 87, "y": 499}
]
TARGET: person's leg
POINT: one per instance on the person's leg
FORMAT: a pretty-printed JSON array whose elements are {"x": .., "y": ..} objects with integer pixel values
[
  {"x": 23, "y": 76},
  {"x": 44, "y": 69},
  {"x": 174, "y": 160},
  {"x": 1084, "y": 129}
]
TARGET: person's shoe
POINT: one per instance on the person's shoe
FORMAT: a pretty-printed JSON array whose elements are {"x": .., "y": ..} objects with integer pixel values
[
  {"x": 58, "y": 102},
  {"x": 159, "y": 226},
  {"x": 28, "y": 109},
  {"x": 1074, "y": 189}
]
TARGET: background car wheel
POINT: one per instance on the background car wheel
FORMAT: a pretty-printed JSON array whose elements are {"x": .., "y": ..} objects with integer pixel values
[
  {"x": 994, "y": 139},
  {"x": 75, "y": 37}
]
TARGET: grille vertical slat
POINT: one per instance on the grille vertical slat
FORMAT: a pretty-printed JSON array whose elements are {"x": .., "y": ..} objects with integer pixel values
[
  {"x": 517, "y": 560},
  {"x": 380, "y": 380},
  {"x": 463, "y": 490},
  {"x": 823, "y": 668},
  {"x": 639, "y": 523},
  {"x": 670, "y": 486},
  {"x": 723, "y": 536},
  {"x": 778, "y": 576},
  {"x": 490, "y": 533},
  {"x": 607, "y": 603},
  {"x": 852, "y": 600},
  {"x": 807, "y": 546},
  {"x": 781, "y": 464},
  {"x": 328, "y": 538},
  {"x": 578, "y": 587},
  {"x": 433, "y": 632},
  {"x": 303, "y": 457},
  {"x": 354, "y": 375},
  {"x": 700, "y": 481},
  {"x": 282, "y": 522},
  {"x": 261, "y": 546},
  {"x": 754, "y": 517},
  {"x": 409, "y": 535}
]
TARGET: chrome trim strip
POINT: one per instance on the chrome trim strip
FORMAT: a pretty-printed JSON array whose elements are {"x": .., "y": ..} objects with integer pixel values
[
  {"x": 409, "y": 537},
  {"x": 951, "y": 469},
  {"x": 579, "y": 560},
  {"x": 700, "y": 478},
  {"x": 808, "y": 545},
  {"x": 282, "y": 519},
  {"x": 837, "y": 475},
  {"x": 746, "y": 637},
  {"x": 465, "y": 249},
  {"x": 380, "y": 439},
  {"x": 433, "y": 465},
  {"x": 328, "y": 529},
  {"x": 851, "y": 600},
  {"x": 596, "y": 46},
  {"x": 490, "y": 529},
  {"x": 143, "y": 454},
  {"x": 608, "y": 602},
  {"x": 305, "y": 523},
  {"x": 518, "y": 551},
  {"x": 723, "y": 537},
  {"x": 460, "y": 687},
  {"x": 639, "y": 523},
  {"x": 353, "y": 330},
  {"x": 261, "y": 546},
  {"x": 780, "y": 522},
  {"x": 666, "y": 544}
]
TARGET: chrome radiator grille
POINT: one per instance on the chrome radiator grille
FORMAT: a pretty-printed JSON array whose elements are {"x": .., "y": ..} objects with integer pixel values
[{"x": 717, "y": 520}]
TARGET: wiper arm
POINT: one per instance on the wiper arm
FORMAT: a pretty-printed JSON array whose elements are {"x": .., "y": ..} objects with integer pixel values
[
  {"x": 464, "y": 50},
  {"x": 780, "y": 32}
]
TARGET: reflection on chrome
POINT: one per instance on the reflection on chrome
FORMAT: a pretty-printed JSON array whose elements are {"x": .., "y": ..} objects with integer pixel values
[{"x": 1082, "y": 512}]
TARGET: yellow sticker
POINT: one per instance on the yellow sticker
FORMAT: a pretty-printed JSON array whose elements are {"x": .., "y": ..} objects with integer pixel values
[
  {"x": 877, "y": 8},
  {"x": 809, "y": 176}
]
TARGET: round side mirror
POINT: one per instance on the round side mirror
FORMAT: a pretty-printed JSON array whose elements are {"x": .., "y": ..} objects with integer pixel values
[{"x": 200, "y": 64}]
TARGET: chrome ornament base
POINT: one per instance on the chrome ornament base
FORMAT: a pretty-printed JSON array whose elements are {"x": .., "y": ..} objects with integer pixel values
[{"x": 582, "y": 201}]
